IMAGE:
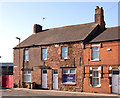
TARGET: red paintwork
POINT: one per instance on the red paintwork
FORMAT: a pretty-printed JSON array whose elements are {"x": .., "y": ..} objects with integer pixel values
[{"x": 7, "y": 81}]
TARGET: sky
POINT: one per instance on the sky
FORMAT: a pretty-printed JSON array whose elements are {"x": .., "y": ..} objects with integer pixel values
[{"x": 17, "y": 19}]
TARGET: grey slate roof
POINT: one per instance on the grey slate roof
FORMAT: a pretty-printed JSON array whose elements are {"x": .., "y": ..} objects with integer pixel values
[
  {"x": 60, "y": 35},
  {"x": 109, "y": 34},
  {"x": 70, "y": 34}
]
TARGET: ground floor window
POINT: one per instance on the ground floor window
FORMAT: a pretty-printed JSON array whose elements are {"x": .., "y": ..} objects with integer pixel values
[
  {"x": 27, "y": 76},
  {"x": 95, "y": 77},
  {"x": 68, "y": 75}
]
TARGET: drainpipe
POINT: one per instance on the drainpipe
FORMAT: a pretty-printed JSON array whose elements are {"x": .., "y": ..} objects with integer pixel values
[{"x": 19, "y": 59}]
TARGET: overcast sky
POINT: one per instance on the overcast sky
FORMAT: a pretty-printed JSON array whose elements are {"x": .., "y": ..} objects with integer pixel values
[{"x": 18, "y": 18}]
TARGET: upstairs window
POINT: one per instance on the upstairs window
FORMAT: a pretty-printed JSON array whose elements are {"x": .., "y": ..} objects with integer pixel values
[
  {"x": 64, "y": 52},
  {"x": 26, "y": 55},
  {"x": 95, "y": 52},
  {"x": 44, "y": 53}
]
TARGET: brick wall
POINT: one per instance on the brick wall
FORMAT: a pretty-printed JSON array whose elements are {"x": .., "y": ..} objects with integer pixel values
[
  {"x": 107, "y": 59},
  {"x": 16, "y": 67},
  {"x": 55, "y": 62}
]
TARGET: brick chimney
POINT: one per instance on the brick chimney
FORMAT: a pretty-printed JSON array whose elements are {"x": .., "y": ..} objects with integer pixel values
[
  {"x": 37, "y": 28},
  {"x": 99, "y": 17}
]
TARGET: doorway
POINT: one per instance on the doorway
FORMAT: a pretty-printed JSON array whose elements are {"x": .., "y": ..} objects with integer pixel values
[
  {"x": 55, "y": 79},
  {"x": 44, "y": 78},
  {"x": 115, "y": 81}
]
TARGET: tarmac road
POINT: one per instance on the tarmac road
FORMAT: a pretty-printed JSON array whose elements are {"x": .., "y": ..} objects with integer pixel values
[{"x": 33, "y": 93}]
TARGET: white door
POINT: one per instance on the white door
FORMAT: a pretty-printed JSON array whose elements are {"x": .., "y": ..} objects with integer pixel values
[
  {"x": 115, "y": 77},
  {"x": 55, "y": 79},
  {"x": 44, "y": 78}
]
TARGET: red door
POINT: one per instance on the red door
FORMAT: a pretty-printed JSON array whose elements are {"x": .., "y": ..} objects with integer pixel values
[{"x": 7, "y": 81}]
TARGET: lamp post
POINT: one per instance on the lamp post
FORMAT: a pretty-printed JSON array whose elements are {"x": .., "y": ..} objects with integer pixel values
[{"x": 19, "y": 59}]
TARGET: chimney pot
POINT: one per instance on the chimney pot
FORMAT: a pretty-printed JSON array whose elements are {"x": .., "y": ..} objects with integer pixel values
[
  {"x": 99, "y": 17},
  {"x": 37, "y": 28}
]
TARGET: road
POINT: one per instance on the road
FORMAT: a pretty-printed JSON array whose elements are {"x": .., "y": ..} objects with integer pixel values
[{"x": 27, "y": 93}]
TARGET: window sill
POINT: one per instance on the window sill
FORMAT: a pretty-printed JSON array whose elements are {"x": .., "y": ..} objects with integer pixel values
[
  {"x": 64, "y": 59},
  {"x": 26, "y": 82},
  {"x": 26, "y": 61},
  {"x": 44, "y": 60},
  {"x": 69, "y": 84},
  {"x": 98, "y": 86},
  {"x": 95, "y": 60}
]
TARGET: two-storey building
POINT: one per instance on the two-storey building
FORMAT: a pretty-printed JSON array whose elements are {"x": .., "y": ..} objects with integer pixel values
[
  {"x": 101, "y": 62},
  {"x": 75, "y": 58}
]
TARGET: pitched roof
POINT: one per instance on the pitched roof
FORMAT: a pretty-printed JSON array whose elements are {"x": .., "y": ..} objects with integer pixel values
[
  {"x": 59, "y": 35},
  {"x": 109, "y": 34}
]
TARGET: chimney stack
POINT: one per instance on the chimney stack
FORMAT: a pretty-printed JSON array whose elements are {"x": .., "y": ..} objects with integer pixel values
[
  {"x": 99, "y": 17},
  {"x": 37, "y": 28}
]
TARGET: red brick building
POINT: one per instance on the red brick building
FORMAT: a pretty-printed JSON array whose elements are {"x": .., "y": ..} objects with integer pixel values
[
  {"x": 76, "y": 58},
  {"x": 106, "y": 65}
]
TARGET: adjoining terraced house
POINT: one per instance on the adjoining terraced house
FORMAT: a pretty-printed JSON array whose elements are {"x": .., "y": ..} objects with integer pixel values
[{"x": 75, "y": 58}]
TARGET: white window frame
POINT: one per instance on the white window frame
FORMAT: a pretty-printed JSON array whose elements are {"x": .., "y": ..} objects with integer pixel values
[
  {"x": 96, "y": 85},
  {"x": 95, "y": 45},
  {"x": 44, "y": 53},
  {"x": 25, "y": 73},
  {"x": 64, "y": 52},
  {"x": 69, "y": 73},
  {"x": 26, "y": 55},
  {"x": 68, "y": 70}
]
